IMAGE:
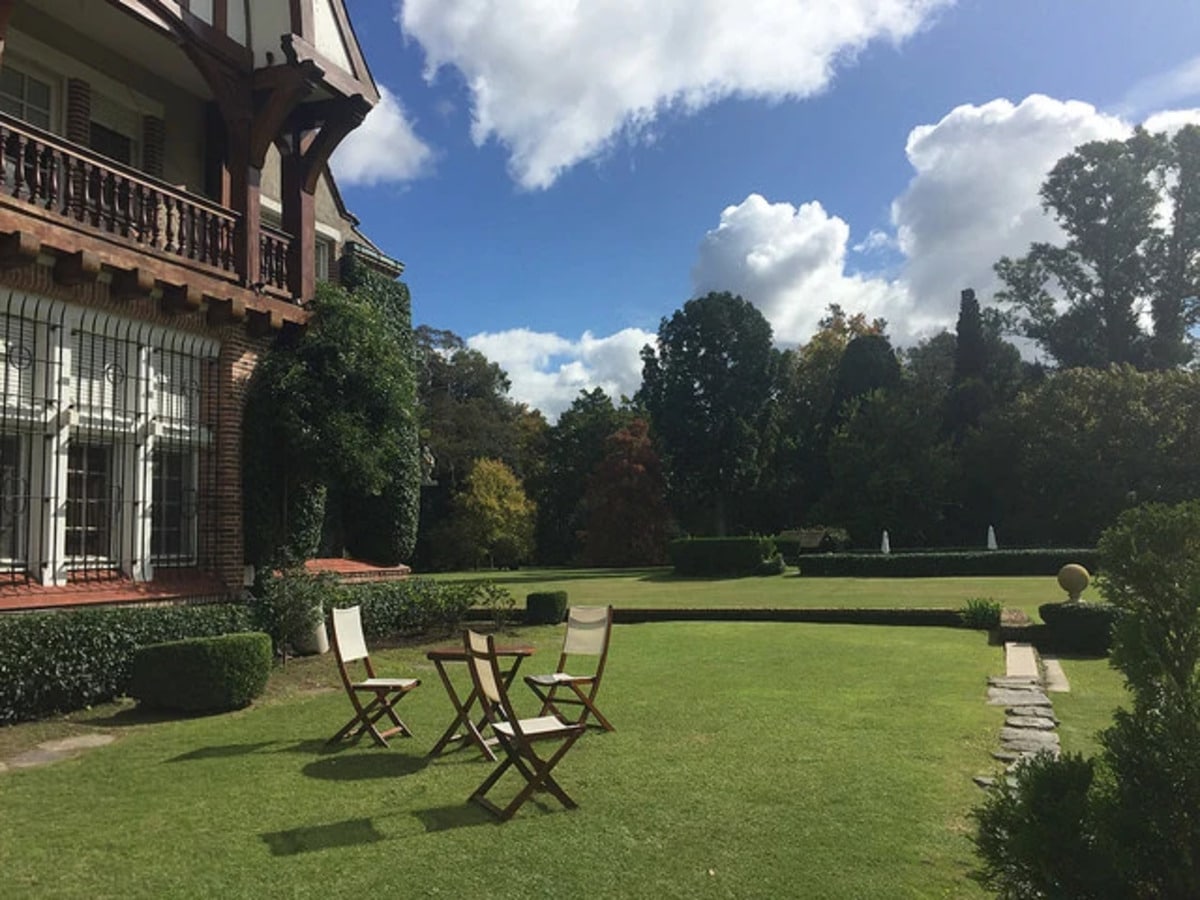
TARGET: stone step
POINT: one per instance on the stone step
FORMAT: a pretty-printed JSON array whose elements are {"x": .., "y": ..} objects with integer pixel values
[
  {"x": 1020, "y": 661},
  {"x": 1055, "y": 677}
]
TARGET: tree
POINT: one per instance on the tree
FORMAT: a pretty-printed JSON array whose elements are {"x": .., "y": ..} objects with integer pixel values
[
  {"x": 574, "y": 446},
  {"x": 493, "y": 519},
  {"x": 330, "y": 433},
  {"x": 868, "y": 364},
  {"x": 627, "y": 514},
  {"x": 1117, "y": 259},
  {"x": 709, "y": 388},
  {"x": 987, "y": 369}
]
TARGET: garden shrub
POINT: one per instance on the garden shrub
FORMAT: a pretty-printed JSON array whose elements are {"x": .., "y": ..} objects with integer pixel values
[
  {"x": 945, "y": 564},
  {"x": 290, "y": 605},
  {"x": 60, "y": 661},
  {"x": 720, "y": 556},
  {"x": 545, "y": 607},
  {"x": 772, "y": 566},
  {"x": 982, "y": 613},
  {"x": 497, "y": 600},
  {"x": 1079, "y": 627},
  {"x": 1036, "y": 836},
  {"x": 410, "y": 605},
  {"x": 1132, "y": 830},
  {"x": 213, "y": 674}
]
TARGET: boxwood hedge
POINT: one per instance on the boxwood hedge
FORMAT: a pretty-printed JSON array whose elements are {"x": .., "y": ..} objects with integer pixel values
[
  {"x": 720, "y": 556},
  {"x": 935, "y": 564},
  {"x": 212, "y": 674}
]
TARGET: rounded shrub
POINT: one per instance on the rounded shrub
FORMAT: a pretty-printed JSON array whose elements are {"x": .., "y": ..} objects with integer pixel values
[
  {"x": 212, "y": 674},
  {"x": 1079, "y": 627},
  {"x": 545, "y": 607}
]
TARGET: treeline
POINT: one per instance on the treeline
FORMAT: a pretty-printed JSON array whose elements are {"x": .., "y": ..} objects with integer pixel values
[{"x": 730, "y": 435}]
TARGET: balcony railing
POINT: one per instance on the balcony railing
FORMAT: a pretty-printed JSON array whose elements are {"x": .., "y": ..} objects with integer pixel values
[{"x": 76, "y": 184}]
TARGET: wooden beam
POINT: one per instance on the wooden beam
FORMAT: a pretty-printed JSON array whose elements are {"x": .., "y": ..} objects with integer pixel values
[
  {"x": 262, "y": 322},
  {"x": 225, "y": 310},
  {"x": 80, "y": 267},
  {"x": 131, "y": 284},
  {"x": 178, "y": 298},
  {"x": 18, "y": 248}
]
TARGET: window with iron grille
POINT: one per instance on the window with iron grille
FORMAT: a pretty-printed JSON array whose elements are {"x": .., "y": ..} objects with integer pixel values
[{"x": 106, "y": 434}]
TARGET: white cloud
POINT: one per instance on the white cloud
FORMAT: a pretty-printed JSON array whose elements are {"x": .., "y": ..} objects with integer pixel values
[
  {"x": 548, "y": 371},
  {"x": 559, "y": 82},
  {"x": 790, "y": 262},
  {"x": 383, "y": 148},
  {"x": 1172, "y": 120},
  {"x": 972, "y": 199}
]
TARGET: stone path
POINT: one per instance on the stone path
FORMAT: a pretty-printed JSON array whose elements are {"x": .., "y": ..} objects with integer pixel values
[
  {"x": 52, "y": 751},
  {"x": 1030, "y": 725}
]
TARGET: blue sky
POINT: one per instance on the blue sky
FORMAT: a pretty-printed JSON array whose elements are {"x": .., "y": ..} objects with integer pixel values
[{"x": 558, "y": 175}]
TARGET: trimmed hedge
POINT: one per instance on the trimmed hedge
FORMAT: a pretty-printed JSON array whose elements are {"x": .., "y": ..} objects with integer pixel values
[
  {"x": 934, "y": 564},
  {"x": 720, "y": 556},
  {"x": 213, "y": 674},
  {"x": 410, "y": 605},
  {"x": 1079, "y": 627},
  {"x": 545, "y": 607},
  {"x": 945, "y": 618},
  {"x": 60, "y": 661}
]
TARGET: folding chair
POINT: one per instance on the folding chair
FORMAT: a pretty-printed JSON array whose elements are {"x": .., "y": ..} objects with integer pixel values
[
  {"x": 515, "y": 735},
  {"x": 348, "y": 646},
  {"x": 588, "y": 631}
]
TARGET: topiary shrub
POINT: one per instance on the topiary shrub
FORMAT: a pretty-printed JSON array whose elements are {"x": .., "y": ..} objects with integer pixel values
[
  {"x": 1079, "y": 627},
  {"x": 545, "y": 607},
  {"x": 982, "y": 613},
  {"x": 203, "y": 674},
  {"x": 720, "y": 556},
  {"x": 772, "y": 566}
]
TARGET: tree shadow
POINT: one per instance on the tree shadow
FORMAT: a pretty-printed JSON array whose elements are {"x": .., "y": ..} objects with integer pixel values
[
  {"x": 222, "y": 752},
  {"x": 136, "y": 715},
  {"x": 364, "y": 766},
  {"x": 350, "y": 833}
]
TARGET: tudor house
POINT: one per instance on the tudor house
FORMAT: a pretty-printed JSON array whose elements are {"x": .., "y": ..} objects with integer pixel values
[{"x": 166, "y": 209}]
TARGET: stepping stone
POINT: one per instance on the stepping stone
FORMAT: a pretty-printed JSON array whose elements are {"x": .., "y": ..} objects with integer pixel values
[
  {"x": 1056, "y": 678},
  {"x": 1020, "y": 661},
  {"x": 1007, "y": 756},
  {"x": 1002, "y": 696},
  {"x": 1041, "y": 712},
  {"x": 1025, "y": 741},
  {"x": 1014, "y": 681},
  {"x": 1035, "y": 723},
  {"x": 37, "y": 757}
]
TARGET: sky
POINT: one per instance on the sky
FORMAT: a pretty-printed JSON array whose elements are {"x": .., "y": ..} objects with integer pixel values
[{"x": 560, "y": 175}]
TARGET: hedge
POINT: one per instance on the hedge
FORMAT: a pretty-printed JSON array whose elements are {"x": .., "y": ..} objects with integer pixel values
[
  {"x": 212, "y": 674},
  {"x": 945, "y": 618},
  {"x": 60, "y": 661},
  {"x": 934, "y": 564},
  {"x": 410, "y": 605},
  {"x": 720, "y": 556},
  {"x": 545, "y": 607}
]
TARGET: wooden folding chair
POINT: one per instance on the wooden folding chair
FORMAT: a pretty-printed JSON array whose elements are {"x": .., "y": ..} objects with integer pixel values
[
  {"x": 348, "y": 646},
  {"x": 588, "y": 631},
  {"x": 515, "y": 735}
]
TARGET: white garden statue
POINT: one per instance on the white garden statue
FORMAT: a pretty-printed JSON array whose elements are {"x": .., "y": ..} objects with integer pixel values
[
  {"x": 991, "y": 538},
  {"x": 885, "y": 545}
]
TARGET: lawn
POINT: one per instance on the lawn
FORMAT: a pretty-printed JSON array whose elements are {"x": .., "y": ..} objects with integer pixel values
[
  {"x": 750, "y": 760},
  {"x": 659, "y": 588}
]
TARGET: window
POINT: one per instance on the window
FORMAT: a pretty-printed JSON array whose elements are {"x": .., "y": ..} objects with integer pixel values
[
  {"x": 14, "y": 500},
  {"x": 110, "y": 143},
  {"x": 89, "y": 501},
  {"x": 323, "y": 257},
  {"x": 24, "y": 96},
  {"x": 107, "y": 461},
  {"x": 173, "y": 528}
]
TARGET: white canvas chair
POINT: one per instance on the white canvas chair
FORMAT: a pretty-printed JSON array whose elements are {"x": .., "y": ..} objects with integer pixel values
[
  {"x": 349, "y": 646},
  {"x": 516, "y": 736},
  {"x": 588, "y": 631}
]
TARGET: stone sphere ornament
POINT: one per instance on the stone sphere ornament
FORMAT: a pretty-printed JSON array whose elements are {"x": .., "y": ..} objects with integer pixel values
[{"x": 1073, "y": 578}]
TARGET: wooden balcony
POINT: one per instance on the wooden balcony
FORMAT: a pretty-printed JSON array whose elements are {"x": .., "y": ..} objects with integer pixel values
[{"x": 60, "y": 182}]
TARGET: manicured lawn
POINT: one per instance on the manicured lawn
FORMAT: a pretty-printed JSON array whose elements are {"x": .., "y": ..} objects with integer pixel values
[
  {"x": 1097, "y": 690},
  {"x": 751, "y": 760},
  {"x": 659, "y": 588}
]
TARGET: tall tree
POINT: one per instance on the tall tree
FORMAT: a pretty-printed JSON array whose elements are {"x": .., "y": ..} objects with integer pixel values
[
  {"x": 1117, "y": 259},
  {"x": 574, "y": 446},
  {"x": 868, "y": 364},
  {"x": 709, "y": 387},
  {"x": 627, "y": 514},
  {"x": 493, "y": 518}
]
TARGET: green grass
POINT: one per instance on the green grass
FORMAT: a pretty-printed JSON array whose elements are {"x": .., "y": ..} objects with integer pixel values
[
  {"x": 659, "y": 588},
  {"x": 1097, "y": 690},
  {"x": 751, "y": 760}
]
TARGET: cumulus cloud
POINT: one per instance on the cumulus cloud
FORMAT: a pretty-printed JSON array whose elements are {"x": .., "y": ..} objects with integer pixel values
[
  {"x": 558, "y": 83},
  {"x": 790, "y": 262},
  {"x": 383, "y": 148},
  {"x": 548, "y": 371},
  {"x": 973, "y": 198}
]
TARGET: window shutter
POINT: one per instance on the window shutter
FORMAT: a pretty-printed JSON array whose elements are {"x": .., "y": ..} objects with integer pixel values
[
  {"x": 79, "y": 111},
  {"x": 98, "y": 374},
  {"x": 153, "y": 146},
  {"x": 17, "y": 348}
]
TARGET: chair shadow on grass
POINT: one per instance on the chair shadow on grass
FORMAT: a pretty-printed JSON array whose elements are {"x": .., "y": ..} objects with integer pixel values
[
  {"x": 445, "y": 818},
  {"x": 349, "y": 833}
]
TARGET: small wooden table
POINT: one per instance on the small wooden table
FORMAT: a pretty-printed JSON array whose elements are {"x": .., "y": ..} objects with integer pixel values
[{"x": 470, "y": 730}]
